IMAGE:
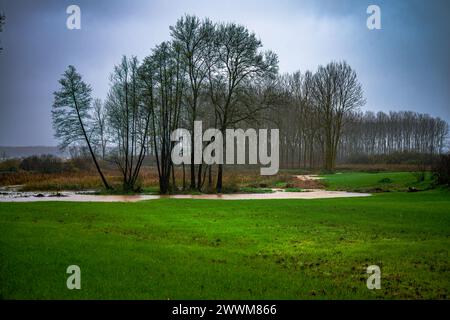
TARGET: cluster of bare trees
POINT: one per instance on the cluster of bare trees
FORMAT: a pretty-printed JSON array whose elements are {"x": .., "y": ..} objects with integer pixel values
[
  {"x": 313, "y": 112},
  {"x": 209, "y": 72},
  {"x": 219, "y": 74},
  {"x": 303, "y": 128},
  {"x": 382, "y": 133},
  {"x": 320, "y": 121}
]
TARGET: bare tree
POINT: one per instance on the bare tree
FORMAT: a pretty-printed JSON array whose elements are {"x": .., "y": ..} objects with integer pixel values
[
  {"x": 163, "y": 75},
  {"x": 193, "y": 37},
  {"x": 337, "y": 92},
  {"x": 129, "y": 120},
  {"x": 234, "y": 61},
  {"x": 100, "y": 118},
  {"x": 71, "y": 114}
]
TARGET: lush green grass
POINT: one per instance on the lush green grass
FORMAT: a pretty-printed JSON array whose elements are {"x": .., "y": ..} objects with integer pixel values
[
  {"x": 294, "y": 190},
  {"x": 255, "y": 190},
  {"x": 373, "y": 182},
  {"x": 265, "y": 249}
]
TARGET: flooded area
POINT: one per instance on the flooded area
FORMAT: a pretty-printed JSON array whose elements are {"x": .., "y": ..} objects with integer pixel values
[
  {"x": 313, "y": 194},
  {"x": 73, "y": 197},
  {"x": 18, "y": 196}
]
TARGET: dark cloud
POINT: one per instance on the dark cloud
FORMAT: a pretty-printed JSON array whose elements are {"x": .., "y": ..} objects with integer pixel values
[{"x": 403, "y": 66}]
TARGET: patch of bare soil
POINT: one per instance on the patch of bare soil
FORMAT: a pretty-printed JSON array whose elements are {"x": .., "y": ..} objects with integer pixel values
[{"x": 306, "y": 182}]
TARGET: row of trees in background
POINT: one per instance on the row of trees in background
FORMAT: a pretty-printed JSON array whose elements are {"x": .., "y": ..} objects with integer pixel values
[
  {"x": 313, "y": 112},
  {"x": 303, "y": 127},
  {"x": 45, "y": 163},
  {"x": 218, "y": 73},
  {"x": 384, "y": 134}
]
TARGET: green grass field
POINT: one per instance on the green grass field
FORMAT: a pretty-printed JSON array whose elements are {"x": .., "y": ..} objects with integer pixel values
[
  {"x": 212, "y": 249},
  {"x": 376, "y": 182}
]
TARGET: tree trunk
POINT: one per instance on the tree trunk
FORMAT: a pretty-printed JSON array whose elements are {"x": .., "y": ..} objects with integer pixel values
[
  {"x": 199, "y": 177},
  {"x": 219, "y": 179},
  {"x": 184, "y": 177},
  {"x": 105, "y": 183}
]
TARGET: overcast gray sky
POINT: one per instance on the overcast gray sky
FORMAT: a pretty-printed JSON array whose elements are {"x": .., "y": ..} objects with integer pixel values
[{"x": 403, "y": 66}]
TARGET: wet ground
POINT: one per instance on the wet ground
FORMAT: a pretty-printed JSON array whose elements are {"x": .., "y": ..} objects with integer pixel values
[
  {"x": 13, "y": 194},
  {"x": 313, "y": 194}
]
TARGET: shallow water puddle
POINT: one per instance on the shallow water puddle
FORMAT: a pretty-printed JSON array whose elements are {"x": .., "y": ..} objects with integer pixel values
[{"x": 72, "y": 196}]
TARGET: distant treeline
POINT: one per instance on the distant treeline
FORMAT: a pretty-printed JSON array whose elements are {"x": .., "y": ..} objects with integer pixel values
[
  {"x": 46, "y": 163},
  {"x": 22, "y": 152},
  {"x": 404, "y": 131},
  {"x": 310, "y": 122}
]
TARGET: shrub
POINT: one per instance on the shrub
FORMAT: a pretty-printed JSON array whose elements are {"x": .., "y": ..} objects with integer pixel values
[
  {"x": 79, "y": 163},
  {"x": 43, "y": 164},
  {"x": 420, "y": 175},
  {"x": 10, "y": 165},
  {"x": 441, "y": 170}
]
